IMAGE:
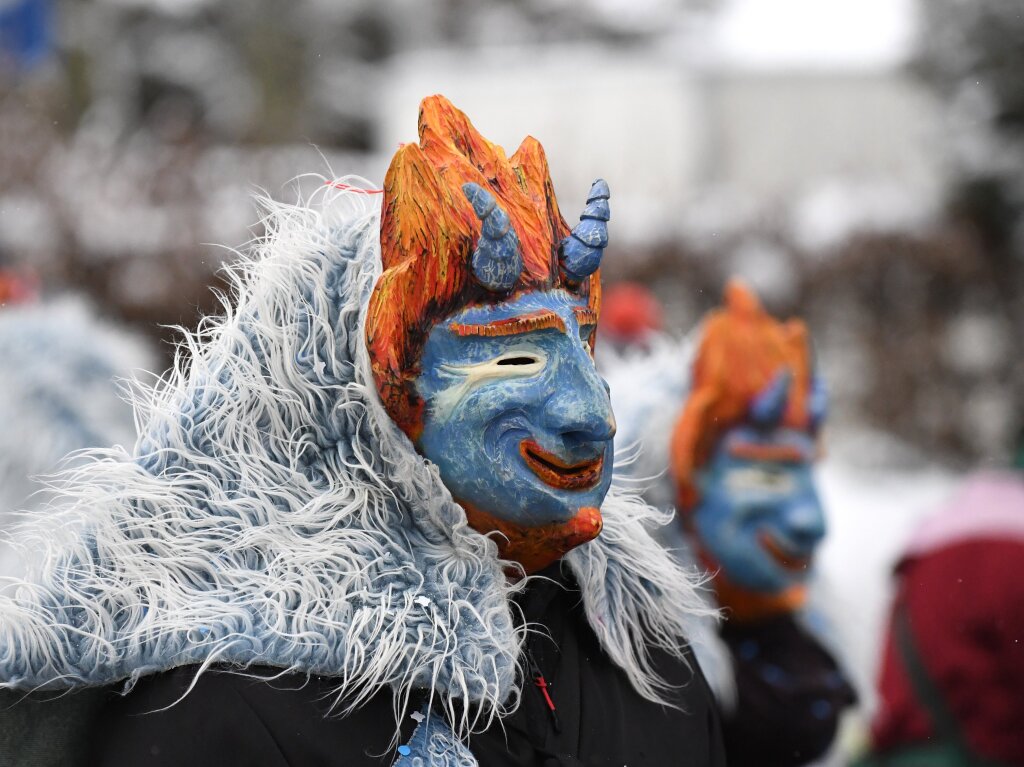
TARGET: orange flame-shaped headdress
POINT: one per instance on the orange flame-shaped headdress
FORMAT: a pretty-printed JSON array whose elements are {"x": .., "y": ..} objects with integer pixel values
[
  {"x": 749, "y": 367},
  {"x": 463, "y": 224}
]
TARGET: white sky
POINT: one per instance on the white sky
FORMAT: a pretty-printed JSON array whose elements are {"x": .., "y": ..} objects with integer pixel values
[{"x": 813, "y": 33}]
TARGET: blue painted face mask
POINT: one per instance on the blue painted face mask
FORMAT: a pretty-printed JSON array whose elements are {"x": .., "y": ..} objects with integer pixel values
[
  {"x": 518, "y": 421},
  {"x": 479, "y": 334},
  {"x": 760, "y": 518}
]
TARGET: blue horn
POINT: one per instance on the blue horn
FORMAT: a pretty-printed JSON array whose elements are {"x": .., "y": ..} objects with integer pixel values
[
  {"x": 817, "y": 402},
  {"x": 769, "y": 405},
  {"x": 497, "y": 261},
  {"x": 582, "y": 250}
]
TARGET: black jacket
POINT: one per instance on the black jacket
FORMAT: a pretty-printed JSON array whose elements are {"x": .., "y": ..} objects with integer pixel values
[
  {"x": 790, "y": 694},
  {"x": 598, "y": 718}
]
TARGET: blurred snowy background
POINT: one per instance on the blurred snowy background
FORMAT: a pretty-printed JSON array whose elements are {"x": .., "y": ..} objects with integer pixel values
[{"x": 861, "y": 162}]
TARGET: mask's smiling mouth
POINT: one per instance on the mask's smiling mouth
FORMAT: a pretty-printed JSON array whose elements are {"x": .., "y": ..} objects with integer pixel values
[
  {"x": 787, "y": 559},
  {"x": 559, "y": 474}
]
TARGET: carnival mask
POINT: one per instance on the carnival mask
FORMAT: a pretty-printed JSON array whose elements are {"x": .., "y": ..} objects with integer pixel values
[
  {"x": 759, "y": 516},
  {"x": 481, "y": 333},
  {"x": 743, "y": 452}
]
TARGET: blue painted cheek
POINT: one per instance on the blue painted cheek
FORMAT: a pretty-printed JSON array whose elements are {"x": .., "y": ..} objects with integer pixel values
[
  {"x": 728, "y": 529},
  {"x": 477, "y": 447}
]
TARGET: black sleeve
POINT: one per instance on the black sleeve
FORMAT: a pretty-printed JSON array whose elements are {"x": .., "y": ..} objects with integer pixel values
[
  {"x": 47, "y": 729},
  {"x": 232, "y": 719},
  {"x": 790, "y": 694},
  {"x": 717, "y": 756}
]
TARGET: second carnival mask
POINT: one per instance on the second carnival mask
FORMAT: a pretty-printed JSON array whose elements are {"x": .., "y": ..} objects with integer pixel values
[{"x": 743, "y": 452}]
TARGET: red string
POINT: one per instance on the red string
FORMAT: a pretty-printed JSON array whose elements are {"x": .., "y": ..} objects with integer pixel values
[
  {"x": 350, "y": 188},
  {"x": 543, "y": 685}
]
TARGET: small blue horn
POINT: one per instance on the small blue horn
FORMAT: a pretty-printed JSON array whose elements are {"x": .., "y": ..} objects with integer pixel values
[
  {"x": 582, "y": 250},
  {"x": 769, "y": 405},
  {"x": 817, "y": 403},
  {"x": 497, "y": 260}
]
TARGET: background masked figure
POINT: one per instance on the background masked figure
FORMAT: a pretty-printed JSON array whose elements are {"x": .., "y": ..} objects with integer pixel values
[
  {"x": 741, "y": 456},
  {"x": 289, "y": 511},
  {"x": 60, "y": 363}
]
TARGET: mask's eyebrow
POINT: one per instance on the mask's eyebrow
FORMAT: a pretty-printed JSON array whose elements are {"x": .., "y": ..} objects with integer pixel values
[
  {"x": 584, "y": 316},
  {"x": 512, "y": 326},
  {"x": 775, "y": 453}
]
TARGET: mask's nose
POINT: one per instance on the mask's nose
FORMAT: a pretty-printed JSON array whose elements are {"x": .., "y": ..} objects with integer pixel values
[
  {"x": 580, "y": 410},
  {"x": 805, "y": 522}
]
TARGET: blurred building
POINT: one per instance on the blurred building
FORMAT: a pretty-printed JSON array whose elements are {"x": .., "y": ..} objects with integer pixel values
[{"x": 702, "y": 128}]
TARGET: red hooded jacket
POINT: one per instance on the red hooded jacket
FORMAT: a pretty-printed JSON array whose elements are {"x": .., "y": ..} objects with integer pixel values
[{"x": 961, "y": 583}]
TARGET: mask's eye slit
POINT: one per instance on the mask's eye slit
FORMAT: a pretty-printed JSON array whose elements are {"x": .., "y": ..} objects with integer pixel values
[{"x": 518, "y": 360}]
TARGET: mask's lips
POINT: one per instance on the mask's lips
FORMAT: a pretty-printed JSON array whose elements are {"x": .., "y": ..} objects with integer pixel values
[
  {"x": 557, "y": 473},
  {"x": 786, "y": 559}
]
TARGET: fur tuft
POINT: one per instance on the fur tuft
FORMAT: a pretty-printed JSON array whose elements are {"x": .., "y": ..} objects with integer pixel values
[{"x": 635, "y": 593}]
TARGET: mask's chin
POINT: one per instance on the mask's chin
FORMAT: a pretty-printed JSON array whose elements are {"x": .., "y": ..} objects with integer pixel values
[
  {"x": 745, "y": 604},
  {"x": 537, "y": 547}
]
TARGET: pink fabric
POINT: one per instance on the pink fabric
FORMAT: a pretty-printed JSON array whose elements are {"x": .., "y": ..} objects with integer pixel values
[{"x": 990, "y": 505}]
